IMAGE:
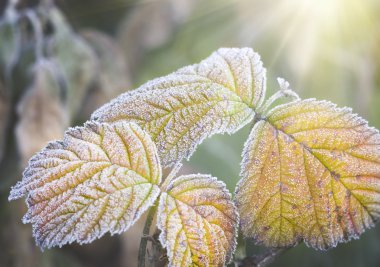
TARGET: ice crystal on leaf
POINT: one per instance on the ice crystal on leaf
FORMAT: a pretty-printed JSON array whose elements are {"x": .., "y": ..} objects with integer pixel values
[
  {"x": 310, "y": 172},
  {"x": 197, "y": 222},
  {"x": 218, "y": 95},
  {"x": 102, "y": 177}
]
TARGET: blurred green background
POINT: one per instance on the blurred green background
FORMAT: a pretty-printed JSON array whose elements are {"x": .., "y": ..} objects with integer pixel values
[{"x": 60, "y": 60}]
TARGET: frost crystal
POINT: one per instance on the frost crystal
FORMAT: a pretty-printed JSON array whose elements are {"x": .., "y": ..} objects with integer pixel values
[
  {"x": 310, "y": 172},
  {"x": 99, "y": 179},
  {"x": 218, "y": 95},
  {"x": 198, "y": 221}
]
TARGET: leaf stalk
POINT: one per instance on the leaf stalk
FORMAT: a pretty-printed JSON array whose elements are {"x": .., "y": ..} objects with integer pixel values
[
  {"x": 144, "y": 240},
  {"x": 284, "y": 91}
]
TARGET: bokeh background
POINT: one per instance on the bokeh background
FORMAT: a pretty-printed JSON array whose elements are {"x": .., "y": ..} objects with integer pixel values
[{"x": 60, "y": 60}]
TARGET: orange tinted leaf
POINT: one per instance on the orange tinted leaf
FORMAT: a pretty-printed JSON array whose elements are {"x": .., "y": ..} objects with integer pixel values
[
  {"x": 311, "y": 172},
  {"x": 198, "y": 221},
  {"x": 99, "y": 179}
]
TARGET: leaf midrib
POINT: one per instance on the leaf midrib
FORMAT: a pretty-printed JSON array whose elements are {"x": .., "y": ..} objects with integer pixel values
[
  {"x": 310, "y": 150},
  {"x": 109, "y": 164}
]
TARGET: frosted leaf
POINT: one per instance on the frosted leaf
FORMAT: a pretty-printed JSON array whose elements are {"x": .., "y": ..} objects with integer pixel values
[
  {"x": 99, "y": 179},
  {"x": 218, "y": 95},
  {"x": 198, "y": 222},
  {"x": 310, "y": 172},
  {"x": 284, "y": 84}
]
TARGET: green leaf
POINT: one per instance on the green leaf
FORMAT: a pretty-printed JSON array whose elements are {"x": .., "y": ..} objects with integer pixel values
[
  {"x": 198, "y": 221},
  {"x": 310, "y": 172},
  {"x": 99, "y": 179},
  {"x": 75, "y": 58},
  {"x": 218, "y": 95}
]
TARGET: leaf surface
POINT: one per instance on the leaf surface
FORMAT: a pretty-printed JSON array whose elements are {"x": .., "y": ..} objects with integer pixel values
[
  {"x": 99, "y": 179},
  {"x": 218, "y": 95},
  {"x": 198, "y": 221},
  {"x": 311, "y": 172}
]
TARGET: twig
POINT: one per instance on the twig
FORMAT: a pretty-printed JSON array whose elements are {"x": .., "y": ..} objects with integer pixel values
[
  {"x": 261, "y": 260},
  {"x": 144, "y": 238},
  {"x": 148, "y": 223}
]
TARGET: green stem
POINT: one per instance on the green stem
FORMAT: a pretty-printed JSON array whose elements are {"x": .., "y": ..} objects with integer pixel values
[{"x": 144, "y": 238}]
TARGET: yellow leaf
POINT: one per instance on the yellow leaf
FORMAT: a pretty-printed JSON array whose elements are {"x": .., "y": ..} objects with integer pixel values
[
  {"x": 99, "y": 179},
  {"x": 311, "y": 172},
  {"x": 198, "y": 221},
  {"x": 218, "y": 95}
]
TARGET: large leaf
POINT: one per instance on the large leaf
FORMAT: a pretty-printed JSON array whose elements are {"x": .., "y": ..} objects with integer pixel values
[
  {"x": 100, "y": 179},
  {"x": 180, "y": 110},
  {"x": 198, "y": 221},
  {"x": 311, "y": 172}
]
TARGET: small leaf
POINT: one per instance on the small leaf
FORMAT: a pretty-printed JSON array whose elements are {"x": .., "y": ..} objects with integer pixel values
[
  {"x": 310, "y": 172},
  {"x": 112, "y": 75},
  {"x": 164, "y": 19},
  {"x": 180, "y": 110},
  {"x": 42, "y": 115},
  {"x": 75, "y": 58},
  {"x": 198, "y": 221},
  {"x": 100, "y": 179}
]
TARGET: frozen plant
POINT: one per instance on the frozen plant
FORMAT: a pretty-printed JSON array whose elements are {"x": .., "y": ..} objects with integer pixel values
[{"x": 310, "y": 170}]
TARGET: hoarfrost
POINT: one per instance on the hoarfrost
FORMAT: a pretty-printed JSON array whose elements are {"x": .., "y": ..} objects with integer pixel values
[
  {"x": 99, "y": 179},
  {"x": 218, "y": 95},
  {"x": 198, "y": 221},
  {"x": 310, "y": 172}
]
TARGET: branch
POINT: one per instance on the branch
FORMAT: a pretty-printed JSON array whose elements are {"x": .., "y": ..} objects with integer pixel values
[
  {"x": 261, "y": 260},
  {"x": 159, "y": 257},
  {"x": 144, "y": 238}
]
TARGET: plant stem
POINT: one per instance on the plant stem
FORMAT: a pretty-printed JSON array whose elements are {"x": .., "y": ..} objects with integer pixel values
[
  {"x": 262, "y": 260},
  {"x": 171, "y": 176},
  {"x": 144, "y": 238},
  {"x": 284, "y": 91},
  {"x": 152, "y": 211}
]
